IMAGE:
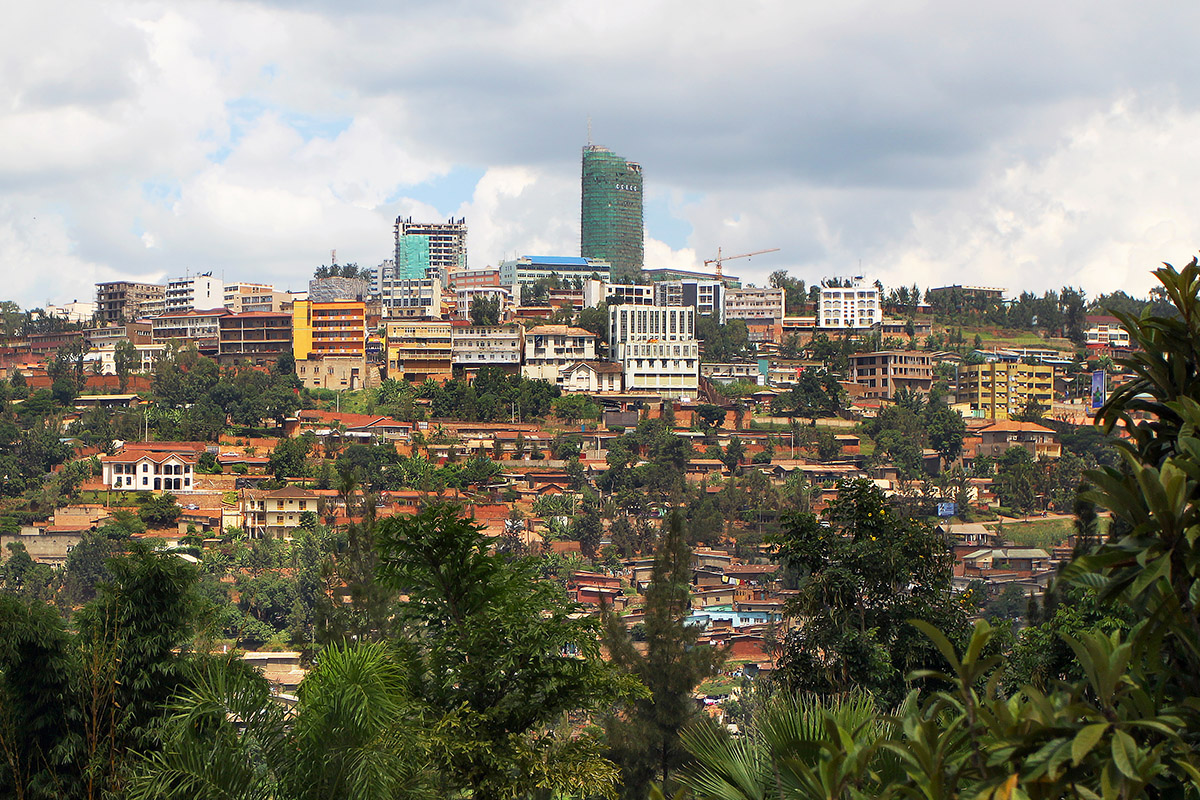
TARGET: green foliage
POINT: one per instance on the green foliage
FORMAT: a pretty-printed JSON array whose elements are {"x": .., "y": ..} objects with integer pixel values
[
  {"x": 643, "y": 735},
  {"x": 864, "y": 572},
  {"x": 572, "y": 408},
  {"x": 490, "y": 643},
  {"x": 485, "y": 310},
  {"x": 491, "y": 397},
  {"x": 160, "y": 510},
  {"x": 724, "y": 344},
  {"x": 816, "y": 394}
]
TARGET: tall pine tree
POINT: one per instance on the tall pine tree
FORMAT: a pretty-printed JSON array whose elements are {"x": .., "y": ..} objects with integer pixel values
[{"x": 644, "y": 736}]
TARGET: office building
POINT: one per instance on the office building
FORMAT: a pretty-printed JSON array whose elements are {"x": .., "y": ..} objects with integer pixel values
[
  {"x": 259, "y": 337},
  {"x": 411, "y": 297},
  {"x": 467, "y": 278},
  {"x": 320, "y": 330},
  {"x": 1002, "y": 389},
  {"x": 518, "y": 274},
  {"x": 754, "y": 304},
  {"x": 707, "y": 297},
  {"x": 201, "y": 328},
  {"x": 194, "y": 293},
  {"x": 855, "y": 305},
  {"x": 597, "y": 292},
  {"x": 418, "y": 349},
  {"x": 429, "y": 249},
  {"x": 886, "y": 372},
  {"x": 611, "y": 224},
  {"x": 657, "y": 347},
  {"x": 121, "y": 301}
]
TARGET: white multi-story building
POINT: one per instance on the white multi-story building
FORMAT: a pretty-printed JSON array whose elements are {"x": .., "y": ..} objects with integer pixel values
[
  {"x": 195, "y": 293},
  {"x": 754, "y": 303},
  {"x": 411, "y": 297},
  {"x": 853, "y": 306},
  {"x": 478, "y": 346},
  {"x": 549, "y": 348},
  {"x": 657, "y": 347},
  {"x": 707, "y": 297},
  {"x": 1105, "y": 331},
  {"x": 528, "y": 270}
]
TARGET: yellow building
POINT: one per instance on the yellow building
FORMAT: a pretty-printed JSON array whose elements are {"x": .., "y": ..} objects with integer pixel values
[
  {"x": 329, "y": 329},
  {"x": 417, "y": 349},
  {"x": 1001, "y": 390}
]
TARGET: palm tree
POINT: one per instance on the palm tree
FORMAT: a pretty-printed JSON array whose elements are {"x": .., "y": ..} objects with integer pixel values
[
  {"x": 797, "y": 748},
  {"x": 354, "y": 733}
]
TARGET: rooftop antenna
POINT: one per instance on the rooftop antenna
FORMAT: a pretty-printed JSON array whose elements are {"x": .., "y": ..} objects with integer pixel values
[
  {"x": 589, "y": 130},
  {"x": 333, "y": 258}
]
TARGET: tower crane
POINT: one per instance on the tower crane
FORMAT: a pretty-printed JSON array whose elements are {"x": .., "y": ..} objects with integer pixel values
[{"x": 719, "y": 260}]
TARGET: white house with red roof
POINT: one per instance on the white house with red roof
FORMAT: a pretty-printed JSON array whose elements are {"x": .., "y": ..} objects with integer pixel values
[{"x": 135, "y": 469}]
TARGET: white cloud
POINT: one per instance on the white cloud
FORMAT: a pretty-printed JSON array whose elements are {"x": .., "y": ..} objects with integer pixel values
[{"x": 931, "y": 141}]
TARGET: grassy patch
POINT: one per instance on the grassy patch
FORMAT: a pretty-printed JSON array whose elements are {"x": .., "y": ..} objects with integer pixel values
[{"x": 1043, "y": 533}]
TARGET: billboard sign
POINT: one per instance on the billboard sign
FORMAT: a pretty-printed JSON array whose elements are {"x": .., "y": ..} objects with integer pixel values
[{"x": 1099, "y": 387}]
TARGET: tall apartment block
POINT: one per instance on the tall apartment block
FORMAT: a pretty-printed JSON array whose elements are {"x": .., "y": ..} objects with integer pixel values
[
  {"x": 121, "y": 301},
  {"x": 425, "y": 247},
  {"x": 611, "y": 222}
]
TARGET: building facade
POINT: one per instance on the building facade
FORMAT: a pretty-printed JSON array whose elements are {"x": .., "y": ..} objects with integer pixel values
[
  {"x": 885, "y": 372},
  {"x": 411, "y": 297},
  {"x": 243, "y": 298},
  {"x": 1000, "y": 390},
  {"x": 255, "y": 336},
  {"x": 549, "y": 348},
  {"x": 468, "y": 278},
  {"x": 429, "y": 249},
  {"x": 528, "y": 270},
  {"x": 202, "y": 328},
  {"x": 657, "y": 347},
  {"x": 478, "y": 346},
  {"x": 418, "y": 349},
  {"x": 611, "y": 220},
  {"x": 855, "y": 306},
  {"x": 122, "y": 301},
  {"x": 194, "y": 293},
  {"x": 138, "y": 470},
  {"x": 757, "y": 304},
  {"x": 707, "y": 297},
  {"x": 329, "y": 329}
]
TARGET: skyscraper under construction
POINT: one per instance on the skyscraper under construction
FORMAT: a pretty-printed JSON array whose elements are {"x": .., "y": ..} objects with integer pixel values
[{"x": 611, "y": 211}]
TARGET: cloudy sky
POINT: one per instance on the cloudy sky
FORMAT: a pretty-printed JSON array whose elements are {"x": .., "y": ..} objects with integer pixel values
[{"x": 1024, "y": 145}]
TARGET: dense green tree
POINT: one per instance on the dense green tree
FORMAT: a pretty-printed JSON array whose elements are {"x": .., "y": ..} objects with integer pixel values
[
  {"x": 485, "y": 310},
  {"x": 40, "y": 714},
  {"x": 864, "y": 571},
  {"x": 160, "y": 510},
  {"x": 499, "y": 648},
  {"x": 643, "y": 735}
]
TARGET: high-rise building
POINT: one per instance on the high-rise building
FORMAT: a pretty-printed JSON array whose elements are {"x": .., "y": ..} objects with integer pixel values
[
  {"x": 611, "y": 227},
  {"x": 425, "y": 247}
]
